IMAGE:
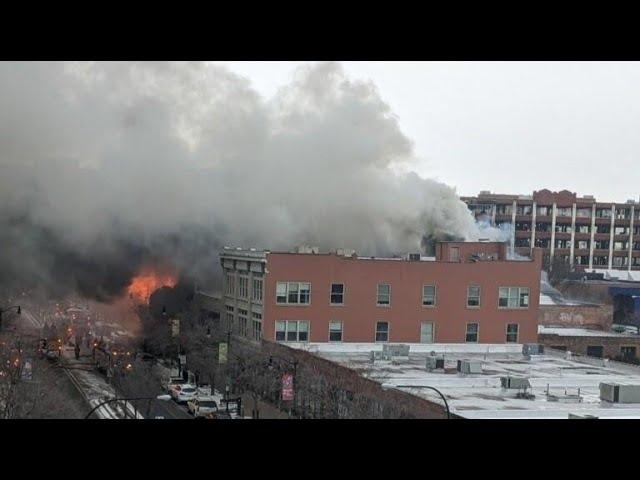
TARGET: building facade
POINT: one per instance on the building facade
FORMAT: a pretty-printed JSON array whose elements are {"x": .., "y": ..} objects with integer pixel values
[
  {"x": 469, "y": 292},
  {"x": 577, "y": 230}
]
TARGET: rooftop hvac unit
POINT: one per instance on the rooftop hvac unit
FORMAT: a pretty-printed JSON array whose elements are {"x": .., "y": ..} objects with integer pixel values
[
  {"x": 515, "y": 383},
  {"x": 413, "y": 257},
  {"x": 469, "y": 366},
  {"x": 618, "y": 393},
  {"x": 532, "y": 349},
  {"x": 395, "y": 350},
  {"x": 435, "y": 363}
]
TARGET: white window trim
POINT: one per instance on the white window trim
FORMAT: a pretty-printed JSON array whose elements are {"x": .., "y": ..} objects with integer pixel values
[
  {"x": 506, "y": 330},
  {"x": 344, "y": 292},
  {"x": 518, "y": 307},
  {"x": 383, "y": 305},
  {"x": 375, "y": 332},
  {"x": 341, "y": 331},
  {"x": 435, "y": 296},
  {"x": 479, "y": 296},
  {"x": 287, "y": 304},
  {"x": 433, "y": 332},
  {"x": 466, "y": 331}
]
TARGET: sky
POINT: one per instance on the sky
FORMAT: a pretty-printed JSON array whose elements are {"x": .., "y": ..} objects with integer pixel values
[{"x": 507, "y": 127}]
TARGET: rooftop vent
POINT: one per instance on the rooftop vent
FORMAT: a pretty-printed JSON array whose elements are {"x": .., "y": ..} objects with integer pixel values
[
  {"x": 467, "y": 367},
  {"x": 515, "y": 383},
  {"x": 435, "y": 363},
  {"x": 619, "y": 393}
]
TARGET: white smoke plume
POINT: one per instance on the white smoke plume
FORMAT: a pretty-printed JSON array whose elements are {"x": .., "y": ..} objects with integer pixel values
[{"x": 107, "y": 166}]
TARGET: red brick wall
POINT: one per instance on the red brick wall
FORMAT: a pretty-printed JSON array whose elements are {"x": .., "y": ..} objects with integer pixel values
[
  {"x": 579, "y": 344},
  {"x": 599, "y": 317}
]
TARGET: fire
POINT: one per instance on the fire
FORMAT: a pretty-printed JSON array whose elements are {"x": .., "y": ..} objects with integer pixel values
[{"x": 147, "y": 282}]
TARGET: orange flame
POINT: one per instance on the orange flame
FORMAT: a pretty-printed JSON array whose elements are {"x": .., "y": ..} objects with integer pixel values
[{"x": 147, "y": 282}]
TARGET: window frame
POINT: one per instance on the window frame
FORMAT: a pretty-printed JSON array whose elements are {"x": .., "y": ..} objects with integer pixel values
[
  {"x": 243, "y": 278},
  {"x": 519, "y": 298},
  {"x": 378, "y": 304},
  {"x": 341, "y": 331},
  {"x": 479, "y": 296},
  {"x": 254, "y": 290},
  {"x": 433, "y": 332},
  {"x": 375, "y": 337},
  {"x": 507, "y": 333},
  {"x": 435, "y": 295},
  {"x": 341, "y": 304},
  {"x": 287, "y": 293},
  {"x": 466, "y": 332},
  {"x": 287, "y": 331}
]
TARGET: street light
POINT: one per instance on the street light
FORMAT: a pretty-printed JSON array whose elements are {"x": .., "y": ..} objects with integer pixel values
[
  {"x": 164, "y": 398},
  {"x": 398, "y": 387}
]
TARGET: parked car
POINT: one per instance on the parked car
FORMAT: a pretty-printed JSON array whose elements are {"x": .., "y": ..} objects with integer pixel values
[
  {"x": 202, "y": 405},
  {"x": 184, "y": 393},
  {"x": 173, "y": 384}
]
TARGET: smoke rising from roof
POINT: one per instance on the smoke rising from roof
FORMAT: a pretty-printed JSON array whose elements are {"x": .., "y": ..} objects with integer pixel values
[{"x": 108, "y": 167}]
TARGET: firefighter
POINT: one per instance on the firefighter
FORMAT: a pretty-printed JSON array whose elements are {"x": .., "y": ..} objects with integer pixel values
[{"x": 76, "y": 350}]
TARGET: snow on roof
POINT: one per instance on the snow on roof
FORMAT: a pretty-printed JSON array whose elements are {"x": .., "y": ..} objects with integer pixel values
[
  {"x": 579, "y": 332},
  {"x": 481, "y": 395}
]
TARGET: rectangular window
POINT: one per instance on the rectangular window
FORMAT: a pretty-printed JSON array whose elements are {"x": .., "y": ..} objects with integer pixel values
[
  {"x": 382, "y": 331},
  {"x": 230, "y": 316},
  {"x": 472, "y": 333},
  {"x": 230, "y": 279},
  {"x": 335, "y": 331},
  {"x": 243, "y": 287},
  {"x": 426, "y": 332},
  {"x": 281, "y": 331},
  {"x": 454, "y": 254},
  {"x": 384, "y": 294},
  {"x": 428, "y": 295},
  {"x": 292, "y": 331},
  {"x": 513, "y": 297},
  {"x": 628, "y": 353},
  {"x": 293, "y": 293},
  {"x": 337, "y": 294},
  {"x": 473, "y": 296},
  {"x": 595, "y": 351},
  {"x": 512, "y": 333},
  {"x": 256, "y": 289},
  {"x": 256, "y": 325}
]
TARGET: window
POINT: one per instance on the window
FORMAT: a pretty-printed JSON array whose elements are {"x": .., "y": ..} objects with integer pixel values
[
  {"x": 293, "y": 293},
  {"x": 230, "y": 315},
  {"x": 583, "y": 212},
  {"x": 335, "y": 331},
  {"x": 384, "y": 294},
  {"x": 243, "y": 287},
  {"x": 513, "y": 297},
  {"x": 337, "y": 293},
  {"x": 426, "y": 332},
  {"x": 230, "y": 284},
  {"x": 256, "y": 289},
  {"x": 256, "y": 326},
  {"x": 454, "y": 254},
  {"x": 428, "y": 295},
  {"x": 473, "y": 296},
  {"x": 628, "y": 353},
  {"x": 292, "y": 331},
  {"x": 472, "y": 333},
  {"x": 382, "y": 331},
  {"x": 595, "y": 351},
  {"x": 512, "y": 333},
  {"x": 243, "y": 322}
]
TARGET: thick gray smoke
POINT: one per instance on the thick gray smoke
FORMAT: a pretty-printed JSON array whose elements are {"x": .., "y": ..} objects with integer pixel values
[{"x": 106, "y": 167}]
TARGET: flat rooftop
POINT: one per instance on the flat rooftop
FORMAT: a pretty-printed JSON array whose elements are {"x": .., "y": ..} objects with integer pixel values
[{"x": 481, "y": 395}]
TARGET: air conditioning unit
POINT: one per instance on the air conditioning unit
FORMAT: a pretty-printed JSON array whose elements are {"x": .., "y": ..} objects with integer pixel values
[
  {"x": 515, "y": 383},
  {"x": 395, "y": 350},
  {"x": 413, "y": 257},
  {"x": 532, "y": 349},
  {"x": 619, "y": 393},
  {"x": 435, "y": 363},
  {"x": 469, "y": 366}
]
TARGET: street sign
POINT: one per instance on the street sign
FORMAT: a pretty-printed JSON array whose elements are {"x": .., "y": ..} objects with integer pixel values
[
  {"x": 287, "y": 387},
  {"x": 222, "y": 352}
]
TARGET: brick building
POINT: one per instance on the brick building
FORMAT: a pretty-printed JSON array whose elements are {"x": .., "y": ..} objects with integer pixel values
[
  {"x": 469, "y": 292},
  {"x": 577, "y": 230}
]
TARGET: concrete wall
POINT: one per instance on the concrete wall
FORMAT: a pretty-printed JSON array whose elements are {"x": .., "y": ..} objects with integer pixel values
[
  {"x": 360, "y": 313},
  {"x": 598, "y": 317}
]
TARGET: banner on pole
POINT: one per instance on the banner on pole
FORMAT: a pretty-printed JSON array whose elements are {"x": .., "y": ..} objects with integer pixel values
[
  {"x": 222, "y": 352},
  {"x": 287, "y": 387}
]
